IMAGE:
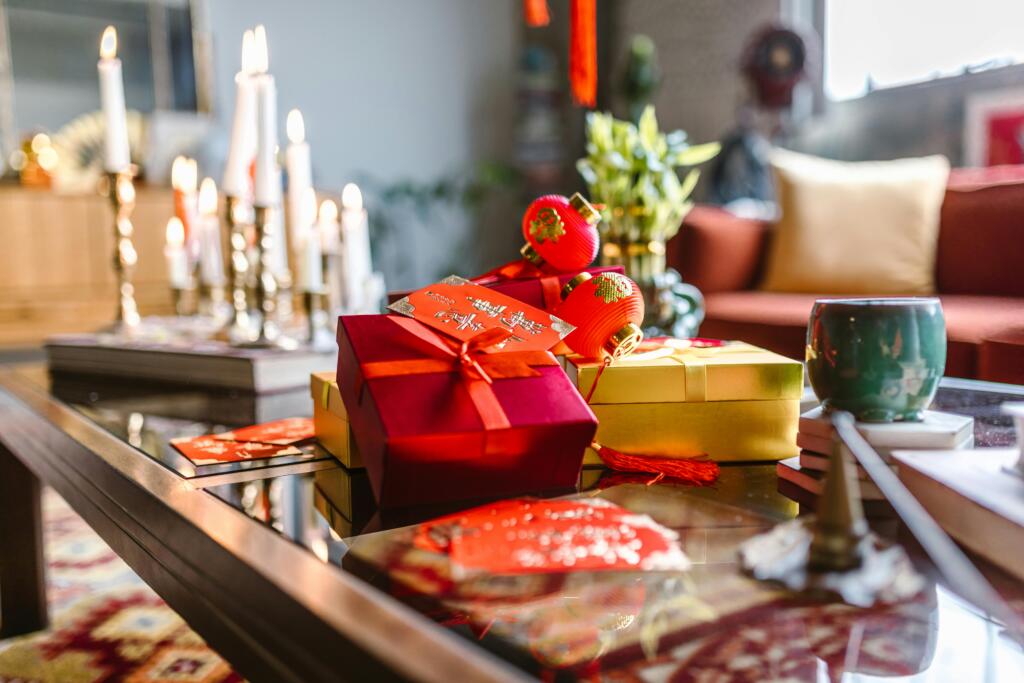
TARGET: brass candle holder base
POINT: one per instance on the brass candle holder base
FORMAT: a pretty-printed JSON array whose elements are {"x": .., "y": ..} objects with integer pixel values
[
  {"x": 180, "y": 297},
  {"x": 318, "y": 330},
  {"x": 213, "y": 302},
  {"x": 268, "y": 334},
  {"x": 118, "y": 186},
  {"x": 833, "y": 553}
]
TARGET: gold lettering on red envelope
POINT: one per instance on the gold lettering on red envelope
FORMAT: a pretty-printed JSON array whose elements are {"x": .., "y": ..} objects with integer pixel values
[
  {"x": 290, "y": 430},
  {"x": 207, "y": 450},
  {"x": 462, "y": 309}
]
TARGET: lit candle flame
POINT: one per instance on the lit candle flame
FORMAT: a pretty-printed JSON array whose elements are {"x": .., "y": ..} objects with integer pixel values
[
  {"x": 328, "y": 211},
  {"x": 184, "y": 174},
  {"x": 295, "y": 127},
  {"x": 175, "y": 233},
  {"x": 248, "y": 52},
  {"x": 351, "y": 197},
  {"x": 260, "y": 57},
  {"x": 108, "y": 43},
  {"x": 208, "y": 197}
]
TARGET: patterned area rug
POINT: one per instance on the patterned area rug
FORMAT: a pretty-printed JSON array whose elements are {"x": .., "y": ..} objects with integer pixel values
[{"x": 106, "y": 624}]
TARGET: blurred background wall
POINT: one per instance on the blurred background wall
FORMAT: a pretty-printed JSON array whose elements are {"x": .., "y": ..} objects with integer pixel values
[{"x": 392, "y": 93}]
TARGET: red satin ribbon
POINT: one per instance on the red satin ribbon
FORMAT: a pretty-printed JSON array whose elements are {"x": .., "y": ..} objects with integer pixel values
[
  {"x": 550, "y": 285},
  {"x": 470, "y": 359},
  {"x": 513, "y": 270}
]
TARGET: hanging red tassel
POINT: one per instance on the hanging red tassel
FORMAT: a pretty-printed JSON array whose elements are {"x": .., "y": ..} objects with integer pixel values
[
  {"x": 536, "y": 12},
  {"x": 696, "y": 470},
  {"x": 583, "y": 51}
]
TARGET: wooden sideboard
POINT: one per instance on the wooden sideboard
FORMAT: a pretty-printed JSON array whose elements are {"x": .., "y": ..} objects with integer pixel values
[{"x": 56, "y": 255}]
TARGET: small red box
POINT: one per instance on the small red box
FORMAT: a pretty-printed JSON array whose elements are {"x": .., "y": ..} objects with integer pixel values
[
  {"x": 422, "y": 440},
  {"x": 530, "y": 290}
]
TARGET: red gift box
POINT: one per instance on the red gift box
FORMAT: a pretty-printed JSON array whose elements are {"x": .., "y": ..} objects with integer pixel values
[
  {"x": 541, "y": 292},
  {"x": 416, "y": 416}
]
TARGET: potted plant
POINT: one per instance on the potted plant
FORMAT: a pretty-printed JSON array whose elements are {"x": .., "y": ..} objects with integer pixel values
[{"x": 631, "y": 169}]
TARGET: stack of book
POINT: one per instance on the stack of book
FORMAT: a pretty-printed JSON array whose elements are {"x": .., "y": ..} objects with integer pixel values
[{"x": 803, "y": 478}]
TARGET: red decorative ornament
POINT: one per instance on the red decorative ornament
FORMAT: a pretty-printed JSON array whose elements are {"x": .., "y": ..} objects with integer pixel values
[
  {"x": 607, "y": 311},
  {"x": 583, "y": 51},
  {"x": 561, "y": 233},
  {"x": 582, "y": 44},
  {"x": 536, "y": 12}
]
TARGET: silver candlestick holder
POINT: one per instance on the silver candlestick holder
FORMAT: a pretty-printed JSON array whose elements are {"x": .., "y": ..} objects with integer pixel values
[
  {"x": 119, "y": 187},
  {"x": 239, "y": 220},
  {"x": 318, "y": 330},
  {"x": 268, "y": 333}
]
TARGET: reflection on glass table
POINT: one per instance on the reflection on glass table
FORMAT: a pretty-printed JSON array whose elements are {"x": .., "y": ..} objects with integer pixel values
[{"x": 710, "y": 623}]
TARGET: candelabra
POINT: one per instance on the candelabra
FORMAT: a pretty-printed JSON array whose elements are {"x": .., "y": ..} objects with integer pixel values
[
  {"x": 121, "y": 190},
  {"x": 238, "y": 215},
  {"x": 317, "y": 327},
  {"x": 179, "y": 296},
  {"x": 269, "y": 332}
]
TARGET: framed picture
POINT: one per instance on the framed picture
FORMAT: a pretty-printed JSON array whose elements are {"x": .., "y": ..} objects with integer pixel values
[{"x": 994, "y": 128}]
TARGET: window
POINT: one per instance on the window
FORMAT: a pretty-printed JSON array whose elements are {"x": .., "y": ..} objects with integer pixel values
[{"x": 886, "y": 43}]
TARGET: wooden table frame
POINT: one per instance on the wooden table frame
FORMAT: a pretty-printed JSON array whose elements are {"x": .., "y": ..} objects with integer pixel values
[{"x": 271, "y": 608}]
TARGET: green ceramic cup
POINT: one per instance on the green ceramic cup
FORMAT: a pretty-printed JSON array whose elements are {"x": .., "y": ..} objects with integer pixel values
[{"x": 880, "y": 359}]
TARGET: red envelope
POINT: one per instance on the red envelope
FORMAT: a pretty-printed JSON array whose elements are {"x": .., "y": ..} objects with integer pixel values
[
  {"x": 458, "y": 308},
  {"x": 525, "y": 536},
  {"x": 290, "y": 430},
  {"x": 207, "y": 450}
]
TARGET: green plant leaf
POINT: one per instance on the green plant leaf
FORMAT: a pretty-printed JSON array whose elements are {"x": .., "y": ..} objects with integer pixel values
[
  {"x": 689, "y": 182},
  {"x": 586, "y": 170},
  {"x": 698, "y": 154},
  {"x": 647, "y": 127}
]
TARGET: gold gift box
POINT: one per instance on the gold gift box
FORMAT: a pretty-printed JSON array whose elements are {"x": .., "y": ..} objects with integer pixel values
[
  {"x": 679, "y": 371},
  {"x": 733, "y": 402},
  {"x": 330, "y": 420}
]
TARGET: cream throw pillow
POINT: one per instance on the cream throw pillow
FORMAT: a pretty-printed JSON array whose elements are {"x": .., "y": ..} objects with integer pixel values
[{"x": 855, "y": 227}]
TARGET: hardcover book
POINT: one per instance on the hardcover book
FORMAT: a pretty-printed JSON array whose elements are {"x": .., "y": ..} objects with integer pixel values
[
  {"x": 977, "y": 496},
  {"x": 203, "y": 362},
  {"x": 937, "y": 430}
]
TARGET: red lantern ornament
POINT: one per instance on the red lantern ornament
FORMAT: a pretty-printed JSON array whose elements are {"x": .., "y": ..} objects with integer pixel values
[
  {"x": 607, "y": 310},
  {"x": 561, "y": 233}
]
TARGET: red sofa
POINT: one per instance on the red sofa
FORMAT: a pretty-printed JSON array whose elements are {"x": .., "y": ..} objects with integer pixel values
[{"x": 979, "y": 275}]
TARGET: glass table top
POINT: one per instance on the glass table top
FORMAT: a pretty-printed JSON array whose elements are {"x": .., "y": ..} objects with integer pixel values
[{"x": 710, "y": 623}]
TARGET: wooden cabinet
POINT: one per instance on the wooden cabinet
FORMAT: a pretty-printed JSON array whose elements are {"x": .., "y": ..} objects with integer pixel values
[{"x": 56, "y": 256}]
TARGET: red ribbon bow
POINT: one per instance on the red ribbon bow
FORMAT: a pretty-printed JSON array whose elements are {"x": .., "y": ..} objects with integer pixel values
[{"x": 473, "y": 359}]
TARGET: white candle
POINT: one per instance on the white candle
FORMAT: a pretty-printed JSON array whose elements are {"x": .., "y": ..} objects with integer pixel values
[
  {"x": 267, "y": 192},
  {"x": 174, "y": 251},
  {"x": 312, "y": 255},
  {"x": 211, "y": 260},
  {"x": 355, "y": 240},
  {"x": 329, "y": 230},
  {"x": 300, "y": 174},
  {"x": 184, "y": 180},
  {"x": 279, "y": 248},
  {"x": 242, "y": 148},
  {"x": 117, "y": 156}
]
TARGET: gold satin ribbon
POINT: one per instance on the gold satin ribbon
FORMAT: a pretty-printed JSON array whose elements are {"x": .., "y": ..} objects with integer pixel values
[{"x": 692, "y": 357}]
